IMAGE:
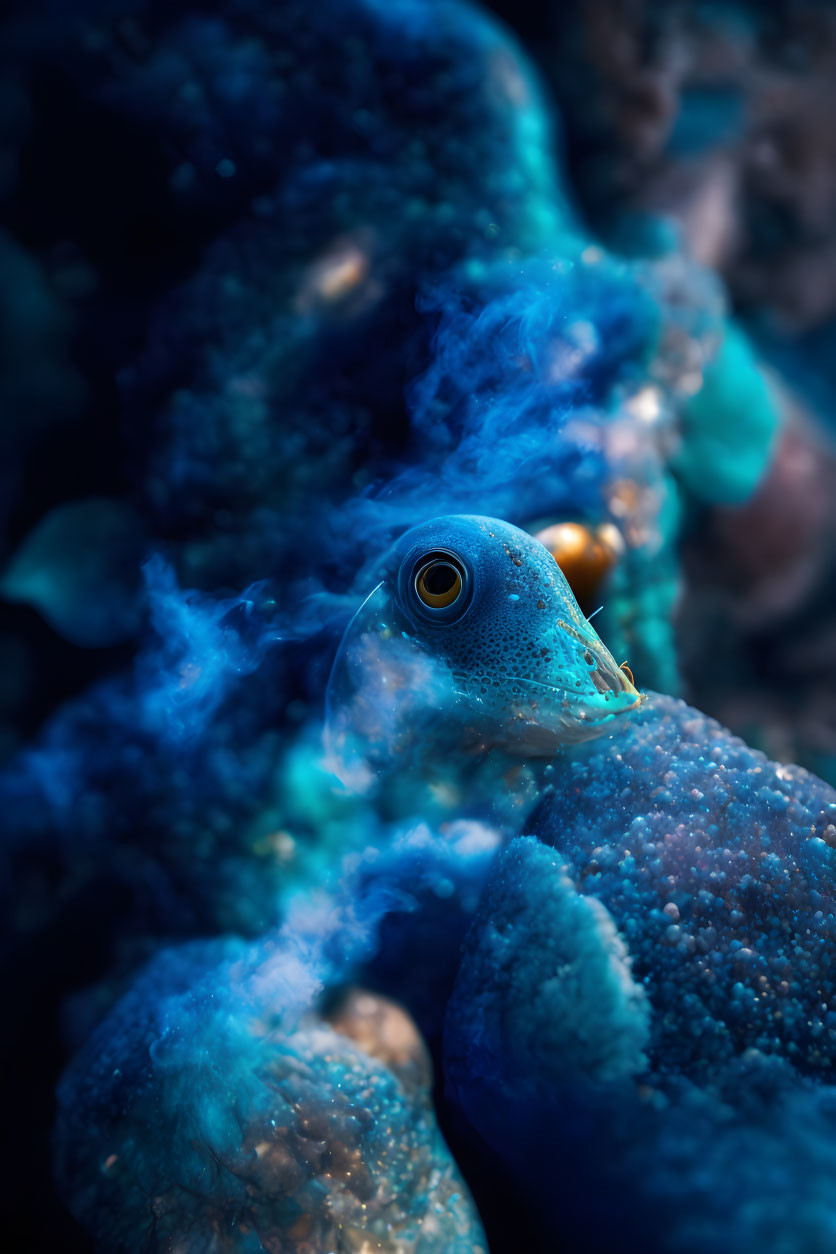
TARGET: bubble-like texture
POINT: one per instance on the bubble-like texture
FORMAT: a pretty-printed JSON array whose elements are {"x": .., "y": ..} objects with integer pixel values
[
  {"x": 545, "y": 992},
  {"x": 212, "y": 1111},
  {"x": 717, "y": 866},
  {"x": 641, "y": 1027}
]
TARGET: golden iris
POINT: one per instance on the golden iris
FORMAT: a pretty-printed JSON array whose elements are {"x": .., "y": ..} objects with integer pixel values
[{"x": 438, "y": 583}]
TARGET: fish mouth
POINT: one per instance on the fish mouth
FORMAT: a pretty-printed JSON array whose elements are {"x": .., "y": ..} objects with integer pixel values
[
  {"x": 537, "y": 716},
  {"x": 581, "y": 692}
]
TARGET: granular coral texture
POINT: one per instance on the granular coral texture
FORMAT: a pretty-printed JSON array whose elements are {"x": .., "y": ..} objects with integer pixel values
[
  {"x": 201, "y": 1117},
  {"x": 544, "y": 993},
  {"x": 641, "y": 1027},
  {"x": 717, "y": 866}
]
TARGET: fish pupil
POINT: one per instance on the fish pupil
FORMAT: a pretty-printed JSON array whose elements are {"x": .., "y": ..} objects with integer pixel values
[{"x": 440, "y": 578}]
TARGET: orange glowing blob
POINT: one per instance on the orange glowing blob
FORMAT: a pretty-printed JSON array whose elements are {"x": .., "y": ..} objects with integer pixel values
[{"x": 586, "y": 555}]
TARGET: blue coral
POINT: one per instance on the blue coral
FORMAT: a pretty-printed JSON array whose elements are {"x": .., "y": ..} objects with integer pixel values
[
  {"x": 716, "y": 865},
  {"x": 645, "y": 993},
  {"x": 215, "y": 1108}
]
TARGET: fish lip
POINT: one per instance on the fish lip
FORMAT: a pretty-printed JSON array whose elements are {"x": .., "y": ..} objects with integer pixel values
[
  {"x": 562, "y": 717},
  {"x": 588, "y": 701}
]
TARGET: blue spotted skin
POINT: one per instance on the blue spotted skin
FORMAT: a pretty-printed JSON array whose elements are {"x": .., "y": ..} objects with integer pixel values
[
  {"x": 717, "y": 866},
  {"x": 515, "y": 662}
]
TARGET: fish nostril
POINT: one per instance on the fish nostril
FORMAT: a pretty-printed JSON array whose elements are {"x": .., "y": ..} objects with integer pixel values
[
  {"x": 606, "y": 683},
  {"x": 608, "y": 678}
]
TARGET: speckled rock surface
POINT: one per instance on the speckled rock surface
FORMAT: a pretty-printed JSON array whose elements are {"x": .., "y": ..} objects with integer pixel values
[
  {"x": 642, "y": 1027},
  {"x": 211, "y": 1112},
  {"x": 718, "y": 868}
]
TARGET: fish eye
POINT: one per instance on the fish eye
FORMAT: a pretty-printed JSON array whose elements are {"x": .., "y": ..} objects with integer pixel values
[{"x": 439, "y": 583}]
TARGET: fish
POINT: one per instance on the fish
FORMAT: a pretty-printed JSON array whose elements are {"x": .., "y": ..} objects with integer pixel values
[
  {"x": 643, "y": 1008},
  {"x": 471, "y": 639}
]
